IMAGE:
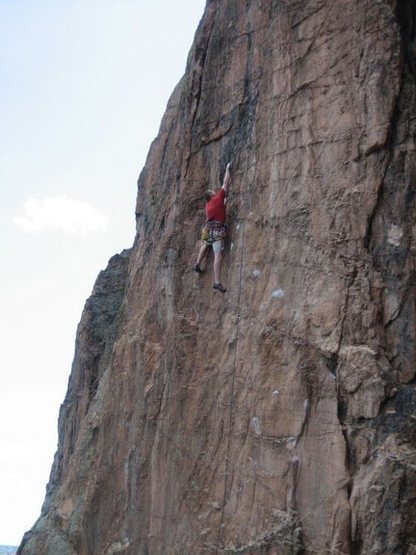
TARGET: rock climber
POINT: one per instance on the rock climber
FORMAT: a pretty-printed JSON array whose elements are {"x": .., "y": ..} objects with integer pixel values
[{"x": 213, "y": 233}]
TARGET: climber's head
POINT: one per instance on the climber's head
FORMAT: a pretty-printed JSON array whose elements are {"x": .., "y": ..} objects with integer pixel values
[{"x": 209, "y": 194}]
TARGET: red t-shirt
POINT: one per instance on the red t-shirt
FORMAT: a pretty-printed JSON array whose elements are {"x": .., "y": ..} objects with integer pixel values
[{"x": 215, "y": 208}]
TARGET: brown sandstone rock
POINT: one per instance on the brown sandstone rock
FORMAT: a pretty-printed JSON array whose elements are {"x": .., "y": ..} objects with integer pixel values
[{"x": 279, "y": 418}]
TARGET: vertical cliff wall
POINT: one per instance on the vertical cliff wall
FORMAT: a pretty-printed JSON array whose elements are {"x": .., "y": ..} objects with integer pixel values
[{"x": 280, "y": 417}]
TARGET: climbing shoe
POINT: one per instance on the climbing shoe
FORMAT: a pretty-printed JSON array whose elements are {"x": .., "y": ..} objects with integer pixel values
[
  {"x": 197, "y": 269},
  {"x": 220, "y": 287}
]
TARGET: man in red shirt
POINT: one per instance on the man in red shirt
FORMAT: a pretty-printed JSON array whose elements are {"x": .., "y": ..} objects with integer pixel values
[{"x": 213, "y": 233}]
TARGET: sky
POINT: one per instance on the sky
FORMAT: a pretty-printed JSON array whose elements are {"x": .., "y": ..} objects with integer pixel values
[{"x": 84, "y": 84}]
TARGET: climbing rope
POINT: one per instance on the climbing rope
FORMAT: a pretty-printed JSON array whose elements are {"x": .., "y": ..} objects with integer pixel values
[
  {"x": 235, "y": 356},
  {"x": 233, "y": 373}
]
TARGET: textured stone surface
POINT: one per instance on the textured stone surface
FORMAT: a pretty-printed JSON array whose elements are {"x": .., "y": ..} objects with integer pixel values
[{"x": 279, "y": 418}]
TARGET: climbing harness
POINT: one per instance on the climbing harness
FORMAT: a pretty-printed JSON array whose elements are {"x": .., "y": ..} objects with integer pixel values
[{"x": 213, "y": 231}]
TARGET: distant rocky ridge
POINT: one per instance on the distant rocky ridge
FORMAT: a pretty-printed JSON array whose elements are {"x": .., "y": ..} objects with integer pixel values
[
  {"x": 8, "y": 550},
  {"x": 278, "y": 418}
]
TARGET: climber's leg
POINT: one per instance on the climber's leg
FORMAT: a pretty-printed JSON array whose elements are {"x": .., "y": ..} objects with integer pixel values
[
  {"x": 218, "y": 247},
  {"x": 201, "y": 255}
]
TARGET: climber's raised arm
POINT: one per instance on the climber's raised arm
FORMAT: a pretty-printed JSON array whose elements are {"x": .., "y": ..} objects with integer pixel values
[{"x": 227, "y": 178}]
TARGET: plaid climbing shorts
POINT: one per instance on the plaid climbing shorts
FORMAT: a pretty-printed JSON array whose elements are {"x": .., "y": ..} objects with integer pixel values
[{"x": 213, "y": 235}]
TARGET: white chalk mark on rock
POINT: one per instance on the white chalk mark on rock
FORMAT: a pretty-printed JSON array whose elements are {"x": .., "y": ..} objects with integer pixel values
[
  {"x": 256, "y": 273},
  {"x": 118, "y": 547},
  {"x": 255, "y": 426},
  {"x": 278, "y": 294},
  {"x": 394, "y": 235}
]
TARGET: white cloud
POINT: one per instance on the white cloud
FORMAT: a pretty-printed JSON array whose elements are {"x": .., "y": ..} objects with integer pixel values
[{"x": 60, "y": 213}]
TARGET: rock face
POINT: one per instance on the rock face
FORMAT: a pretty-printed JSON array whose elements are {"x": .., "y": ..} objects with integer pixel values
[{"x": 278, "y": 418}]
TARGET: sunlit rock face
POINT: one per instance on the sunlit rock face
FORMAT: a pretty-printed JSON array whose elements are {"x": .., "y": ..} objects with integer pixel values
[{"x": 280, "y": 417}]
